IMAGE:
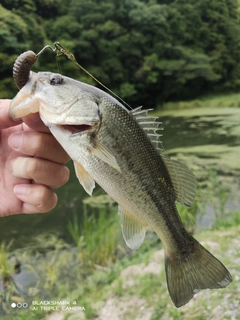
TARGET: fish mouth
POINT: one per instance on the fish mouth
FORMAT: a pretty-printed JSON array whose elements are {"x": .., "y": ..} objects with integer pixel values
[{"x": 77, "y": 128}]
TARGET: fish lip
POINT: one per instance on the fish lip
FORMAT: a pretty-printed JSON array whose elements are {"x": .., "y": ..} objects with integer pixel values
[{"x": 76, "y": 129}]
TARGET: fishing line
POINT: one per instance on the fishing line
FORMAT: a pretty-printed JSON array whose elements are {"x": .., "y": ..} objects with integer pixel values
[
  {"x": 58, "y": 64},
  {"x": 59, "y": 49}
]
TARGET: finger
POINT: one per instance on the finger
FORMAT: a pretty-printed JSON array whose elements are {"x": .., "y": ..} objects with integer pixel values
[
  {"x": 44, "y": 172},
  {"x": 41, "y": 145},
  {"x": 34, "y": 122},
  {"x": 35, "y": 198},
  {"x": 5, "y": 120}
]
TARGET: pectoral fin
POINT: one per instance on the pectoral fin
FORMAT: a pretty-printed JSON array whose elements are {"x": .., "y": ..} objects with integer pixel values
[
  {"x": 133, "y": 230},
  {"x": 105, "y": 155},
  {"x": 84, "y": 178}
]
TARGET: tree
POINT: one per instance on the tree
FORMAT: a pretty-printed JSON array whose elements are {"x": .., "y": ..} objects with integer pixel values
[{"x": 147, "y": 51}]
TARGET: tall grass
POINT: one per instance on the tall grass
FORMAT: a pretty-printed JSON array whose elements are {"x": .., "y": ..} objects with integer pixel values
[
  {"x": 189, "y": 214},
  {"x": 218, "y": 195},
  {"x": 213, "y": 194},
  {"x": 97, "y": 237}
]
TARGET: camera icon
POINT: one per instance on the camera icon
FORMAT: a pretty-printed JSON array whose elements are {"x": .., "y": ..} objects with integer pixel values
[{"x": 19, "y": 305}]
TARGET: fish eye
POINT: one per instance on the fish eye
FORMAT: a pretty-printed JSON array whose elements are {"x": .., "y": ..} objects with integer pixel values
[{"x": 56, "y": 79}]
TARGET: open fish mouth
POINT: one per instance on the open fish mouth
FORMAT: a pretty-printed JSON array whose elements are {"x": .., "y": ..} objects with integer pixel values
[{"x": 76, "y": 128}]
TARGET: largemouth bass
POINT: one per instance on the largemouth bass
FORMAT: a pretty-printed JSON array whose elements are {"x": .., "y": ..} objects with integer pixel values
[{"x": 118, "y": 149}]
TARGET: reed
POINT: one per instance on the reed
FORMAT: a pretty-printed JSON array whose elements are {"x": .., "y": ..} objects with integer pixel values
[{"x": 97, "y": 237}]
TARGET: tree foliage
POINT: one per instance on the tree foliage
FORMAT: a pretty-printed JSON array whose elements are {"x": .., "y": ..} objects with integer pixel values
[{"x": 147, "y": 51}]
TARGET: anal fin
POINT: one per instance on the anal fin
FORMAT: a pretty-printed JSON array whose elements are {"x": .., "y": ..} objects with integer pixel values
[
  {"x": 84, "y": 178},
  {"x": 133, "y": 230}
]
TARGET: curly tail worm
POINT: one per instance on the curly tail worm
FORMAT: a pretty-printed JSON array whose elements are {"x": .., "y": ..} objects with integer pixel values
[{"x": 22, "y": 68}]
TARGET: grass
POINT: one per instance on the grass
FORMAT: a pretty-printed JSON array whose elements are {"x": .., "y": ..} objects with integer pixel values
[
  {"x": 91, "y": 288},
  {"x": 214, "y": 195},
  {"x": 229, "y": 221},
  {"x": 95, "y": 237},
  {"x": 90, "y": 272}
]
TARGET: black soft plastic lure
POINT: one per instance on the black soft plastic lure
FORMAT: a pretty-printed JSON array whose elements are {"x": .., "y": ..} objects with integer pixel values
[{"x": 22, "y": 67}]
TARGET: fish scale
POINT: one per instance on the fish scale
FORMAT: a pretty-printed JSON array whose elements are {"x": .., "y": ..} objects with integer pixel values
[
  {"x": 119, "y": 149},
  {"x": 128, "y": 184}
]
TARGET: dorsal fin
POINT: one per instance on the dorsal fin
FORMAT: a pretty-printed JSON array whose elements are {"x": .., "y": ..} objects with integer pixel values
[
  {"x": 149, "y": 125},
  {"x": 183, "y": 180}
]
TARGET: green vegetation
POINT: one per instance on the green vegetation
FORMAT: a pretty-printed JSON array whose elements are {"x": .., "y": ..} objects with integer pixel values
[
  {"x": 95, "y": 237},
  {"x": 133, "y": 285},
  {"x": 148, "y": 52},
  {"x": 6, "y": 272},
  {"x": 211, "y": 102},
  {"x": 98, "y": 270}
]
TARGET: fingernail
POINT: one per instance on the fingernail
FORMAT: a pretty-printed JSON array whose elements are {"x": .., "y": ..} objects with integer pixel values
[
  {"x": 20, "y": 189},
  {"x": 19, "y": 167},
  {"x": 15, "y": 140}
]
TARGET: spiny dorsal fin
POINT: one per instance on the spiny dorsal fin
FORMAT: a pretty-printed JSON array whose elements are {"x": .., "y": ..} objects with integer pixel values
[
  {"x": 149, "y": 125},
  {"x": 133, "y": 230},
  {"x": 183, "y": 180}
]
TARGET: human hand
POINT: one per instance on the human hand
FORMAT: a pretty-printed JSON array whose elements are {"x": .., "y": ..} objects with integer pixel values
[{"x": 31, "y": 164}]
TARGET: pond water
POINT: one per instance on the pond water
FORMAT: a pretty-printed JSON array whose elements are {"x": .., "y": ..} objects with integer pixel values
[{"x": 204, "y": 139}]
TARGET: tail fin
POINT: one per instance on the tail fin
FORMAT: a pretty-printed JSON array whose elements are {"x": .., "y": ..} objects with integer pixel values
[{"x": 190, "y": 272}]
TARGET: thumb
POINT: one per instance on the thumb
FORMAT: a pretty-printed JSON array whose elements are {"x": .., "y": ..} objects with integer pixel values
[{"x": 5, "y": 120}]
